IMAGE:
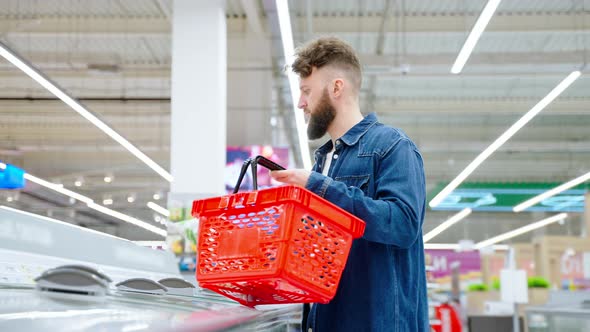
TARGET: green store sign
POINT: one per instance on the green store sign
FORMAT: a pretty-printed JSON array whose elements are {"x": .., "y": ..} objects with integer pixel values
[{"x": 491, "y": 196}]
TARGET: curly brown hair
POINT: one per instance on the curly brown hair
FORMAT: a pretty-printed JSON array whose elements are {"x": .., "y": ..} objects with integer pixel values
[{"x": 328, "y": 51}]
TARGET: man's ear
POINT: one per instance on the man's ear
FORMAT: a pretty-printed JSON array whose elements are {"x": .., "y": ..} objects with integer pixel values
[{"x": 337, "y": 87}]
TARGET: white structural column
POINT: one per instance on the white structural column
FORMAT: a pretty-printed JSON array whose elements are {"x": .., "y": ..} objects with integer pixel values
[{"x": 199, "y": 88}]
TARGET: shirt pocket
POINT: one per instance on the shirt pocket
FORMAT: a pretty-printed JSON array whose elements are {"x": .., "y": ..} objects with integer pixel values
[{"x": 357, "y": 181}]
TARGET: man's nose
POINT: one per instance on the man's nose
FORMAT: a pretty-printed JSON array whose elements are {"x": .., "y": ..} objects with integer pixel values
[{"x": 302, "y": 103}]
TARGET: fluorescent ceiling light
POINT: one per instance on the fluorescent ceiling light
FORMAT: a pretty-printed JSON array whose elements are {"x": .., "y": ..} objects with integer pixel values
[
  {"x": 289, "y": 53},
  {"x": 91, "y": 204},
  {"x": 504, "y": 137},
  {"x": 522, "y": 230},
  {"x": 131, "y": 198},
  {"x": 36, "y": 75},
  {"x": 128, "y": 219},
  {"x": 455, "y": 246},
  {"x": 500, "y": 247},
  {"x": 450, "y": 222},
  {"x": 158, "y": 209},
  {"x": 58, "y": 221},
  {"x": 537, "y": 199},
  {"x": 59, "y": 188},
  {"x": 478, "y": 28}
]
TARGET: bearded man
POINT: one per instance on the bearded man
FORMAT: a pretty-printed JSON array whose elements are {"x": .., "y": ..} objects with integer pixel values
[{"x": 376, "y": 173}]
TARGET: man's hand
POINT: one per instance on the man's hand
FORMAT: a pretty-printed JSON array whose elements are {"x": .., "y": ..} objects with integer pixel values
[{"x": 297, "y": 177}]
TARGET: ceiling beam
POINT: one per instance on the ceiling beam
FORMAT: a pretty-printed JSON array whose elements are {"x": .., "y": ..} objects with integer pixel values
[
  {"x": 374, "y": 62},
  {"x": 448, "y": 107},
  {"x": 430, "y": 145},
  {"x": 439, "y": 24},
  {"x": 107, "y": 107},
  {"x": 59, "y": 146},
  {"x": 520, "y": 146},
  {"x": 458, "y": 141},
  {"x": 154, "y": 26},
  {"x": 104, "y": 27}
]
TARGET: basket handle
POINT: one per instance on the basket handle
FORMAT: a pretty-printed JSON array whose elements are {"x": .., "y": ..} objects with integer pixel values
[{"x": 253, "y": 162}]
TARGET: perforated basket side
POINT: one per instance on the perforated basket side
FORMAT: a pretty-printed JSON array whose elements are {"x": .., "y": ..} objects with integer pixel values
[
  {"x": 248, "y": 242},
  {"x": 318, "y": 251}
]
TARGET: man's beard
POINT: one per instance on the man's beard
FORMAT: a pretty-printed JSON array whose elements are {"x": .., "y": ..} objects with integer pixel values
[{"x": 321, "y": 118}]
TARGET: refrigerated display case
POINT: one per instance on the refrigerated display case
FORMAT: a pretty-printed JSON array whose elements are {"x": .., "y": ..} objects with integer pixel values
[
  {"x": 55, "y": 276},
  {"x": 559, "y": 318}
]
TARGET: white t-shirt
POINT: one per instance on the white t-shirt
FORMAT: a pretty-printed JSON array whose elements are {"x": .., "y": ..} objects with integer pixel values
[{"x": 328, "y": 162}]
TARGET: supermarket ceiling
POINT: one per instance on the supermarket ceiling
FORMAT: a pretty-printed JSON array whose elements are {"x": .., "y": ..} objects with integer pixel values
[{"x": 115, "y": 56}]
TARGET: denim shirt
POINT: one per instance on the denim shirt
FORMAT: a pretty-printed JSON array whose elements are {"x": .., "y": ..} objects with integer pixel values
[{"x": 377, "y": 174}]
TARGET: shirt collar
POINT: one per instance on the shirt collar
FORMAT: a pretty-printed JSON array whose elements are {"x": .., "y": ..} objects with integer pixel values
[{"x": 352, "y": 136}]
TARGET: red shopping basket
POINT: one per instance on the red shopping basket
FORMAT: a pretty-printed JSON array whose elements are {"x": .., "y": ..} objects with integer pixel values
[{"x": 277, "y": 245}]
